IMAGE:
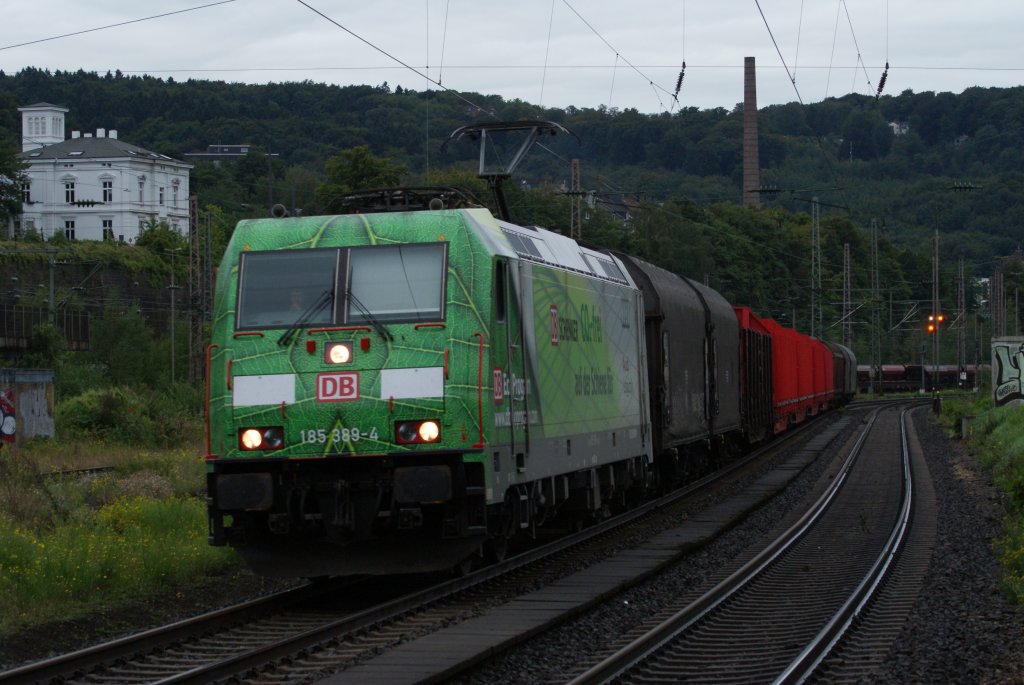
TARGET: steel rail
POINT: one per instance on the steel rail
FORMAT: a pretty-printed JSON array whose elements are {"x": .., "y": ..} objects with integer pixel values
[
  {"x": 819, "y": 647},
  {"x": 639, "y": 649}
]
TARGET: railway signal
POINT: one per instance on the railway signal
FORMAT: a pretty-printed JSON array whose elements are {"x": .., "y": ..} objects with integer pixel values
[{"x": 934, "y": 321}]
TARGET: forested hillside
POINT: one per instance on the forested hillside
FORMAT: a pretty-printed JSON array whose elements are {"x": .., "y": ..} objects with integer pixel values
[{"x": 904, "y": 160}]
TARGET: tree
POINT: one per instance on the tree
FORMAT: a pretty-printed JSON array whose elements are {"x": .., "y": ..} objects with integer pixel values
[
  {"x": 123, "y": 344},
  {"x": 161, "y": 239},
  {"x": 356, "y": 169},
  {"x": 12, "y": 176}
]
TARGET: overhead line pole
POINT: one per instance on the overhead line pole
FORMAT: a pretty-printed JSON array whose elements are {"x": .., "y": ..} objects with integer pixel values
[{"x": 935, "y": 311}]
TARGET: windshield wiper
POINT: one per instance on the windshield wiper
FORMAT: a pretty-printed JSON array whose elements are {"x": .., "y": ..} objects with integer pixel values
[
  {"x": 384, "y": 332},
  {"x": 311, "y": 311}
]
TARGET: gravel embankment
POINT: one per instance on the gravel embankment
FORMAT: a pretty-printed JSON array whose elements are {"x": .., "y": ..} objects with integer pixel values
[{"x": 963, "y": 628}]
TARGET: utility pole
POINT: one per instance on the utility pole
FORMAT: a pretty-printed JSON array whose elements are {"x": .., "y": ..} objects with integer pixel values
[
  {"x": 815, "y": 269},
  {"x": 935, "y": 311},
  {"x": 576, "y": 218},
  {"x": 847, "y": 326},
  {"x": 961, "y": 331},
  {"x": 173, "y": 288},
  {"x": 995, "y": 304},
  {"x": 876, "y": 363},
  {"x": 196, "y": 286}
]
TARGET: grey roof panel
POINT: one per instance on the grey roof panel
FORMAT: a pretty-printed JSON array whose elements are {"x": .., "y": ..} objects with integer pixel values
[{"x": 95, "y": 148}]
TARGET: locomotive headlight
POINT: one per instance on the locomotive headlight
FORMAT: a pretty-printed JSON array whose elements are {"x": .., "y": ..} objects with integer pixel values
[
  {"x": 338, "y": 353},
  {"x": 250, "y": 439},
  {"x": 417, "y": 432},
  {"x": 429, "y": 431},
  {"x": 269, "y": 438}
]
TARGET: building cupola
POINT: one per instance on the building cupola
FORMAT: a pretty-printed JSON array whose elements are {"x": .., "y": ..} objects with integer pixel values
[{"x": 41, "y": 124}]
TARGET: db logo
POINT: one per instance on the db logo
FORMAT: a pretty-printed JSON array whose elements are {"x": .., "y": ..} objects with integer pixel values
[
  {"x": 337, "y": 387},
  {"x": 499, "y": 386}
]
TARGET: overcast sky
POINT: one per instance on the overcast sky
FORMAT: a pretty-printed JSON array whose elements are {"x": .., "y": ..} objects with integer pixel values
[{"x": 596, "y": 52}]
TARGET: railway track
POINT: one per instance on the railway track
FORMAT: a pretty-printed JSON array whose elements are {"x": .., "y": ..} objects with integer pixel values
[
  {"x": 283, "y": 640},
  {"x": 778, "y": 616}
]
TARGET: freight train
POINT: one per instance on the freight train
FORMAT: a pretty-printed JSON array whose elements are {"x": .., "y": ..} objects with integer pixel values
[
  {"x": 920, "y": 377},
  {"x": 403, "y": 391}
]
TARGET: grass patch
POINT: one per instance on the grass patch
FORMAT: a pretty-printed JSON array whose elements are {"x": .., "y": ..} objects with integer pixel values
[
  {"x": 997, "y": 437},
  {"x": 71, "y": 543}
]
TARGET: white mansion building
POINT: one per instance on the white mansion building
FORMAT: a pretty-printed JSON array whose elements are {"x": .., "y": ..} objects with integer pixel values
[{"x": 94, "y": 187}]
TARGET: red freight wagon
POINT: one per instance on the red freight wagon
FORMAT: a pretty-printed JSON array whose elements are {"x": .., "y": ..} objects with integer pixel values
[
  {"x": 788, "y": 390},
  {"x": 805, "y": 369},
  {"x": 756, "y": 385},
  {"x": 824, "y": 382}
]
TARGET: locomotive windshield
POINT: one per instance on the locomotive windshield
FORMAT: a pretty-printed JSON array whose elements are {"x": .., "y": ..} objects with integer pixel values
[
  {"x": 276, "y": 288},
  {"x": 391, "y": 283},
  {"x": 396, "y": 283}
]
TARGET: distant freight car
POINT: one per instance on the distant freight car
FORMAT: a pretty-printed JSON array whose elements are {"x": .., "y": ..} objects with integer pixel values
[{"x": 918, "y": 378}]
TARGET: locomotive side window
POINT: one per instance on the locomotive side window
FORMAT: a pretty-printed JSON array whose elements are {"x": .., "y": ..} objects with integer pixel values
[
  {"x": 499, "y": 291},
  {"x": 277, "y": 288},
  {"x": 396, "y": 283}
]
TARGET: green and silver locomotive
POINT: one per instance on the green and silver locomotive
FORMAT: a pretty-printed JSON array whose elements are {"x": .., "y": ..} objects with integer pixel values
[{"x": 403, "y": 391}]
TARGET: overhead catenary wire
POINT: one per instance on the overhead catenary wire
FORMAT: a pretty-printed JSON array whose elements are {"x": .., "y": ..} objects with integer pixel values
[
  {"x": 389, "y": 55},
  {"x": 856, "y": 46},
  {"x": 682, "y": 69},
  {"x": 619, "y": 56},
  {"x": 817, "y": 136},
  {"x": 547, "y": 51},
  {"x": 799, "y": 33},
  {"x": 832, "y": 54},
  {"x": 111, "y": 26},
  {"x": 444, "y": 40}
]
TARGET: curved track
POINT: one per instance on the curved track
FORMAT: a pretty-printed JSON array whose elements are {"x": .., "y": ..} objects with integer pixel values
[{"x": 777, "y": 617}]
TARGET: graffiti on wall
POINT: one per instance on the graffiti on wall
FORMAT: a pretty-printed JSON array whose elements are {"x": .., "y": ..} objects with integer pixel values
[
  {"x": 8, "y": 423},
  {"x": 1007, "y": 370}
]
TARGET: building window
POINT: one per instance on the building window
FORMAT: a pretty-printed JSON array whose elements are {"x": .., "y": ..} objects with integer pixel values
[
  {"x": 26, "y": 192},
  {"x": 108, "y": 229},
  {"x": 69, "y": 191},
  {"x": 174, "y": 194},
  {"x": 161, "y": 196},
  {"x": 69, "y": 229},
  {"x": 142, "y": 189},
  {"x": 108, "y": 191}
]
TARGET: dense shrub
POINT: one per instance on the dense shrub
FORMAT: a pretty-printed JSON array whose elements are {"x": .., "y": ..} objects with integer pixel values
[{"x": 132, "y": 416}]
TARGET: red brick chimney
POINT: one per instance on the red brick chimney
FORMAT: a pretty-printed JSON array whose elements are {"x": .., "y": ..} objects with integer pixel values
[{"x": 751, "y": 158}]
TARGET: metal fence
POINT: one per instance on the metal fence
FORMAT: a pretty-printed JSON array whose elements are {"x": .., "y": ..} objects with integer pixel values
[{"x": 17, "y": 324}]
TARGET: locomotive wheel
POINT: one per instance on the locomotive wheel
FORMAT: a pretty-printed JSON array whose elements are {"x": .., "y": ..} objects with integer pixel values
[
  {"x": 495, "y": 549},
  {"x": 465, "y": 567}
]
